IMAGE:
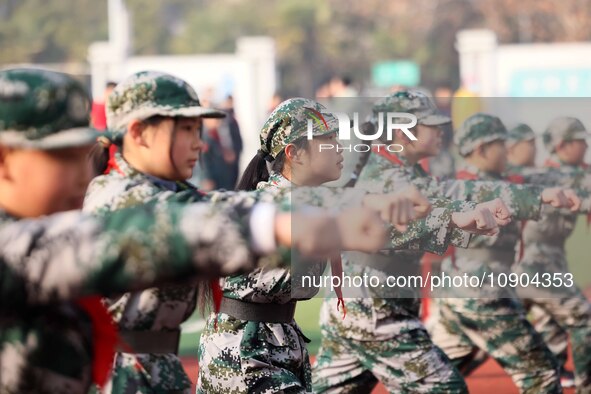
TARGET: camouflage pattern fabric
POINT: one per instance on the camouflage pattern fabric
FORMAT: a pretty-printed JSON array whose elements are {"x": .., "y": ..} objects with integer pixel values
[
  {"x": 412, "y": 102},
  {"x": 48, "y": 263},
  {"x": 384, "y": 318},
  {"x": 289, "y": 122},
  {"x": 564, "y": 129},
  {"x": 165, "y": 308},
  {"x": 520, "y": 132},
  {"x": 156, "y": 309},
  {"x": 560, "y": 308},
  {"x": 401, "y": 354},
  {"x": 491, "y": 317},
  {"x": 240, "y": 356},
  {"x": 477, "y": 130},
  {"x": 243, "y": 356},
  {"x": 41, "y": 109},
  {"x": 150, "y": 93}
]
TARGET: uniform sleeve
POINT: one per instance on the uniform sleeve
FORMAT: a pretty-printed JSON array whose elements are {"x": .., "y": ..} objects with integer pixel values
[
  {"x": 69, "y": 255},
  {"x": 580, "y": 181},
  {"x": 434, "y": 233},
  {"x": 524, "y": 201}
]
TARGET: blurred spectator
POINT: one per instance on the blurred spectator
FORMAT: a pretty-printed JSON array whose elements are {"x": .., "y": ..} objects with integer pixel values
[
  {"x": 342, "y": 86},
  {"x": 231, "y": 139},
  {"x": 223, "y": 145},
  {"x": 98, "y": 116}
]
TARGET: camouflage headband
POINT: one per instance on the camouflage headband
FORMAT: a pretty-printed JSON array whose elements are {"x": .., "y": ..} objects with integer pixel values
[{"x": 289, "y": 122}]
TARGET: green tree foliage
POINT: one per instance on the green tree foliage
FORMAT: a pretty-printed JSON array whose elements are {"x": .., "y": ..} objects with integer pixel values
[{"x": 315, "y": 39}]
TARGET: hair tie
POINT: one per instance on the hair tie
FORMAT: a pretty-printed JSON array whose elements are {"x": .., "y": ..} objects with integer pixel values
[
  {"x": 104, "y": 141},
  {"x": 264, "y": 155}
]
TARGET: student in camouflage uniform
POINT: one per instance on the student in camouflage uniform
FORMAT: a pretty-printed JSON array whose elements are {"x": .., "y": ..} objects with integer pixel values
[
  {"x": 54, "y": 334},
  {"x": 492, "y": 318},
  {"x": 564, "y": 308},
  {"x": 155, "y": 118},
  {"x": 521, "y": 148},
  {"x": 521, "y": 155},
  {"x": 385, "y": 339},
  {"x": 249, "y": 352}
]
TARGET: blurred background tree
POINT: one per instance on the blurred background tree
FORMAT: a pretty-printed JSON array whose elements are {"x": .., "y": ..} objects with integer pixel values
[{"x": 315, "y": 39}]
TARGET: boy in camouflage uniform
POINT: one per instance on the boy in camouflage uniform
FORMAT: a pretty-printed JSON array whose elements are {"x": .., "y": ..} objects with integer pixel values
[
  {"x": 53, "y": 334},
  {"x": 164, "y": 112},
  {"x": 562, "y": 308},
  {"x": 386, "y": 340},
  {"x": 521, "y": 148},
  {"x": 521, "y": 154}
]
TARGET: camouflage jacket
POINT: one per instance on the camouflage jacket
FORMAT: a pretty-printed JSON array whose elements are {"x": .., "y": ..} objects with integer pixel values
[
  {"x": 509, "y": 235},
  {"x": 274, "y": 285},
  {"x": 391, "y": 173},
  {"x": 48, "y": 263},
  {"x": 382, "y": 313},
  {"x": 166, "y": 308},
  {"x": 545, "y": 239},
  {"x": 155, "y": 309}
]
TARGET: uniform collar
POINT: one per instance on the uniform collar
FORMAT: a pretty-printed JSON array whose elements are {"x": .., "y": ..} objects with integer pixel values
[
  {"x": 480, "y": 174},
  {"x": 127, "y": 171},
  {"x": 5, "y": 217},
  {"x": 275, "y": 180}
]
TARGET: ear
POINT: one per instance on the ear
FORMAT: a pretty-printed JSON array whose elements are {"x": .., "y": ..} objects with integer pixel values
[
  {"x": 561, "y": 146},
  {"x": 401, "y": 138},
  {"x": 135, "y": 132},
  {"x": 480, "y": 150},
  {"x": 292, "y": 153}
]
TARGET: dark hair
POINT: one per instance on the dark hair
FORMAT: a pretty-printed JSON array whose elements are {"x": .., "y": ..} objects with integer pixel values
[
  {"x": 256, "y": 171},
  {"x": 110, "y": 85},
  {"x": 99, "y": 155}
]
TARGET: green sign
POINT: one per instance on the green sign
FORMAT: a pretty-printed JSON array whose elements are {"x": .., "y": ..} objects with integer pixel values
[{"x": 403, "y": 72}]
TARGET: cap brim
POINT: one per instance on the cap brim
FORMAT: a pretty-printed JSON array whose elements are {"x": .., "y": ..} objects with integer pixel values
[
  {"x": 580, "y": 135},
  {"x": 70, "y": 138},
  {"x": 434, "y": 120},
  {"x": 202, "y": 112}
]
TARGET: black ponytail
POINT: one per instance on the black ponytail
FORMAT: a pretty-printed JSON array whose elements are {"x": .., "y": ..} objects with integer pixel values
[
  {"x": 99, "y": 156},
  {"x": 257, "y": 171}
]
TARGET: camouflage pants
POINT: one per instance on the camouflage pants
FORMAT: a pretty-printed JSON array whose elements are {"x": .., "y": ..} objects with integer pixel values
[
  {"x": 494, "y": 322},
  {"x": 250, "y": 357},
  {"x": 555, "y": 337},
  {"x": 147, "y": 374},
  {"x": 562, "y": 310},
  {"x": 404, "y": 362}
]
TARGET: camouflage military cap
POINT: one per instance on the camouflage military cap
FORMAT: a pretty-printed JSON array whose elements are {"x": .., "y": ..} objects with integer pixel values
[
  {"x": 564, "y": 129},
  {"x": 521, "y": 132},
  {"x": 479, "y": 129},
  {"x": 289, "y": 122},
  {"x": 150, "y": 93},
  {"x": 42, "y": 109},
  {"x": 413, "y": 102}
]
